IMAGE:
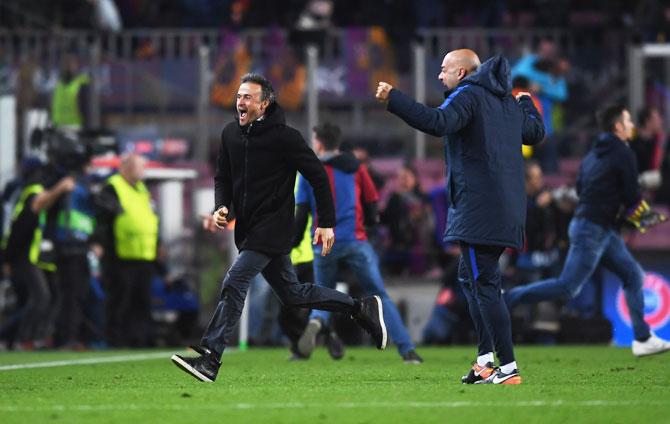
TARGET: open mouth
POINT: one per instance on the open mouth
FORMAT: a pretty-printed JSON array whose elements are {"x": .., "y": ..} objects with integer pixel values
[{"x": 243, "y": 114}]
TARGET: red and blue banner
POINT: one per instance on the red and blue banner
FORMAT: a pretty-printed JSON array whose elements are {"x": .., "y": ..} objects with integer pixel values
[{"x": 656, "y": 290}]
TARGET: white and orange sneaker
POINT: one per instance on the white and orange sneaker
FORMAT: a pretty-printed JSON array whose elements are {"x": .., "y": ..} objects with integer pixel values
[
  {"x": 478, "y": 373},
  {"x": 499, "y": 377}
]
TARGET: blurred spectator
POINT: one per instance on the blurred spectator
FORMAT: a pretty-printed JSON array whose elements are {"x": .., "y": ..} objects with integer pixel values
[
  {"x": 128, "y": 231},
  {"x": 69, "y": 104},
  {"x": 233, "y": 62},
  {"x": 546, "y": 71},
  {"x": 521, "y": 84},
  {"x": 653, "y": 20},
  {"x": 363, "y": 156},
  {"x": 408, "y": 218},
  {"x": 545, "y": 234},
  {"x": 663, "y": 193},
  {"x": 648, "y": 141},
  {"x": 546, "y": 241},
  {"x": 107, "y": 17}
]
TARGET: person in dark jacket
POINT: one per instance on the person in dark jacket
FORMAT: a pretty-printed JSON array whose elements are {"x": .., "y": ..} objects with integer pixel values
[
  {"x": 255, "y": 177},
  {"x": 608, "y": 191},
  {"x": 483, "y": 128},
  {"x": 355, "y": 206}
]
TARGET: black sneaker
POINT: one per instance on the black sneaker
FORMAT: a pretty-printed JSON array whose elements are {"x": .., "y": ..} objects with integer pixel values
[
  {"x": 204, "y": 368},
  {"x": 478, "y": 373},
  {"x": 370, "y": 316},
  {"x": 335, "y": 345},
  {"x": 412, "y": 357},
  {"x": 297, "y": 357},
  {"x": 307, "y": 341}
]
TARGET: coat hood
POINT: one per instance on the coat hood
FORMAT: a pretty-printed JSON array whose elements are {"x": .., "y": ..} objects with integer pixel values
[
  {"x": 605, "y": 143},
  {"x": 345, "y": 162},
  {"x": 494, "y": 75}
]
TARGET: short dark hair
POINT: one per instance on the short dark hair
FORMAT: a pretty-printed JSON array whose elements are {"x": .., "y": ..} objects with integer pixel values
[
  {"x": 644, "y": 114},
  {"x": 267, "y": 92},
  {"x": 609, "y": 115},
  {"x": 521, "y": 82},
  {"x": 329, "y": 135}
]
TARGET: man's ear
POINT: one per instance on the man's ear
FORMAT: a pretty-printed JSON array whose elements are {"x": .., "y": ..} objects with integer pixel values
[
  {"x": 265, "y": 104},
  {"x": 462, "y": 73}
]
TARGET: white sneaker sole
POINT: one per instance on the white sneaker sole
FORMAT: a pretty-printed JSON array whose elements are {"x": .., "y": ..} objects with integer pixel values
[
  {"x": 307, "y": 341},
  {"x": 655, "y": 352},
  {"x": 380, "y": 311},
  {"x": 189, "y": 369}
]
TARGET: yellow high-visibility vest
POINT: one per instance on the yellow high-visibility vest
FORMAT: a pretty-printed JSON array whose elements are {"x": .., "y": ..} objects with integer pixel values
[
  {"x": 65, "y": 106},
  {"x": 136, "y": 228}
]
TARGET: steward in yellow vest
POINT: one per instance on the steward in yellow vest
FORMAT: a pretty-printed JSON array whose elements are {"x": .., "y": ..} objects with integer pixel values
[
  {"x": 136, "y": 227},
  {"x": 69, "y": 101},
  {"x": 128, "y": 232}
]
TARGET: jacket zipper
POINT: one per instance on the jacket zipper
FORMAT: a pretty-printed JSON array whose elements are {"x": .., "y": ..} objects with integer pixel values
[{"x": 246, "y": 167}]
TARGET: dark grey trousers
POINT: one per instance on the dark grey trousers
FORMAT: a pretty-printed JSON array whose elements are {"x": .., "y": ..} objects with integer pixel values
[{"x": 279, "y": 273}]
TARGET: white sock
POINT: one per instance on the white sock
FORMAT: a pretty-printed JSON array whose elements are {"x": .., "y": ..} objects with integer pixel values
[
  {"x": 508, "y": 368},
  {"x": 482, "y": 360}
]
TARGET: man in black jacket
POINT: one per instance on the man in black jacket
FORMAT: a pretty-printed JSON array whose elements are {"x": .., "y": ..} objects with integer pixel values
[
  {"x": 483, "y": 128},
  {"x": 257, "y": 164},
  {"x": 608, "y": 191}
]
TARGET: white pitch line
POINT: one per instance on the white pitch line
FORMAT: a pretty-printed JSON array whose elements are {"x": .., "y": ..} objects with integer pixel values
[
  {"x": 336, "y": 405},
  {"x": 88, "y": 361}
]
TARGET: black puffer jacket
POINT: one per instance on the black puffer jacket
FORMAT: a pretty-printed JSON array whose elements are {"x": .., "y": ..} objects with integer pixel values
[{"x": 255, "y": 177}]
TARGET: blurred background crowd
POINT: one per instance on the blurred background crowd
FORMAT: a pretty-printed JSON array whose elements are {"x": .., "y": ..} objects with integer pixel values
[{"x": 141, "y": 89}]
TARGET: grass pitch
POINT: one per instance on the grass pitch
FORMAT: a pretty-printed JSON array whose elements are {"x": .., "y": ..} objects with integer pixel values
[{"x": 561, "y": 384}]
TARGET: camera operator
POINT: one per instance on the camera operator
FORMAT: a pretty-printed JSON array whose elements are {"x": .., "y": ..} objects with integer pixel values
[
  {"x": 30, "y": 269},
  {"x": 70, "y": 224}
]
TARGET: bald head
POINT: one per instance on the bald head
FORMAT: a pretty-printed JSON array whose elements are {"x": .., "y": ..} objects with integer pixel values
[
  {"x": 132, "y": 168},
  {"x": 458, "y": 64}
]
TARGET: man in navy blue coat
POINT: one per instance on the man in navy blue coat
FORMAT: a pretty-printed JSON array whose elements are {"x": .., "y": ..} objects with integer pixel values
[
  {"x": 609, "y": 194},
  {"x": 483, "y": 127}
]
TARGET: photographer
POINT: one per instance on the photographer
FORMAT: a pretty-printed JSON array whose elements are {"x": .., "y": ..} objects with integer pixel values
[{"x": 547, "y": 215}]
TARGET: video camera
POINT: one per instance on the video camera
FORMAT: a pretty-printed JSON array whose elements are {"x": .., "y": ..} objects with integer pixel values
[{"x": 70, "y": 151}]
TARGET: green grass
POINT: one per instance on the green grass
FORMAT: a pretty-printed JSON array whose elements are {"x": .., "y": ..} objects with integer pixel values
[{"x": 561, "y": 384}]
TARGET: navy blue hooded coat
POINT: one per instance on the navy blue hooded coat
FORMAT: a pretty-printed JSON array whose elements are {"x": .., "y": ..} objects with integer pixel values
[{"x": 483, "y": 128}]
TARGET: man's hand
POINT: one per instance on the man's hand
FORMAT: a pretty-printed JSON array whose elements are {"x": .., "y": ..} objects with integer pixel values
[
  {"x": 219, "y": 218},
  {"x": 327, "y": 237},
  {"x": 543, "y": 199},
  {"x": 66, "y": 184},
  {"x": 208, "y": 223},
  {"x": 97, "y": 250},
  {"x": 383, "y": 91},
  {"x": 520, "y": 94}
]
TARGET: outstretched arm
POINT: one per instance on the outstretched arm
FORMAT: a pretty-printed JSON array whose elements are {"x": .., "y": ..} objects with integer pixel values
[{"x": 452, "y": 115}]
